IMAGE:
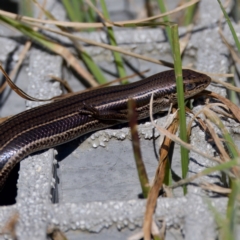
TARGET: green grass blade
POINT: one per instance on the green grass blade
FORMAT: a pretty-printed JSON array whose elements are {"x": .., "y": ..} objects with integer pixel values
[
  {"x": 44, "y": 41},
  {"x": 87, "y": 59},
  {"x": 180, "y": 92},
  {"x": 230, "y": 26},
  {"x": 231, "y": 208},
  {"x": 77, "y": 7},
  {"x": 91, "y": 12},
  {"x": 117, "y": 56},
  {"x": 73, "y": 9},
  {"x": 91, "y": 15},
  {"x": 228, "y": 139},
  {"x": 93, "y": 67},
  {"x": 27, "y": 31},
  {"x": 68, "y": 8},
  {"x": 168, "y": 174},
  {"x": 26, "y": 8},
  {"x": 166, "y": 19},
  {"x": 180, "y": 98},
  {"x": 189, "y": 14},
  {"x": 229, "y": 142},
  {"x": 220, "y": 167}
]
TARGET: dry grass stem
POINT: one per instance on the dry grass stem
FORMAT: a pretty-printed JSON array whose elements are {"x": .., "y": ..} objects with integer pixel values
[
  {"x": 158, "y": 179},
  {"x": 88, "y": 77},
  {"x": 167, "y": 191},
  {"x": 22, "y": 56},
  {"x": 230, "y": 48},
  {"x": 233, "y": 149},
  {"x": 223, "y": 113},
  {"x": 63, "y": 82},
  {"x": 169, "y": 121},
  {"x": 227, "y": 85},
  {"x": 187, "y": 180},
  {"x": 90, "y": 4},
  {"x": 162, "y": 230},
  {"x": 142, "y": 173},
  {"x": 136, "y": 236},
  {"x": 74, "y": 63},
  {"x": 155, "y": 231},
  {"x": 215, "y": 188},
  {"x": 94, "y": 25},
  {"x": 223, "y": 154},
  {"x": 213, "y": 105},
  {"x": 109, "y": 47},
  {"x": 19, "y": 91},
  {"x": 100, "y": 86},
  {"x": 227, "y": 75},
  {"x": 219, "y": 109},
  {"x": 194, "y": 118},
  {"x": 233, "y": 107},
  {"x": 179, "y": 141},
  {"x": 210, "y": 73}
]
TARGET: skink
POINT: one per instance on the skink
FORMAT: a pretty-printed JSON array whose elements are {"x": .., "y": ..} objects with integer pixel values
[{"x": 66, "y": 119}]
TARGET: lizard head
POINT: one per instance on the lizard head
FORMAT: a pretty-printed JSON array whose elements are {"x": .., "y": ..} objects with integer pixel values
[{"x": 194, "y": 82}]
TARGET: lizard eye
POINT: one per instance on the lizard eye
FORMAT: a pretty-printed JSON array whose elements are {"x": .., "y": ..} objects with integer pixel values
[{"x": 190, "y": 86}]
